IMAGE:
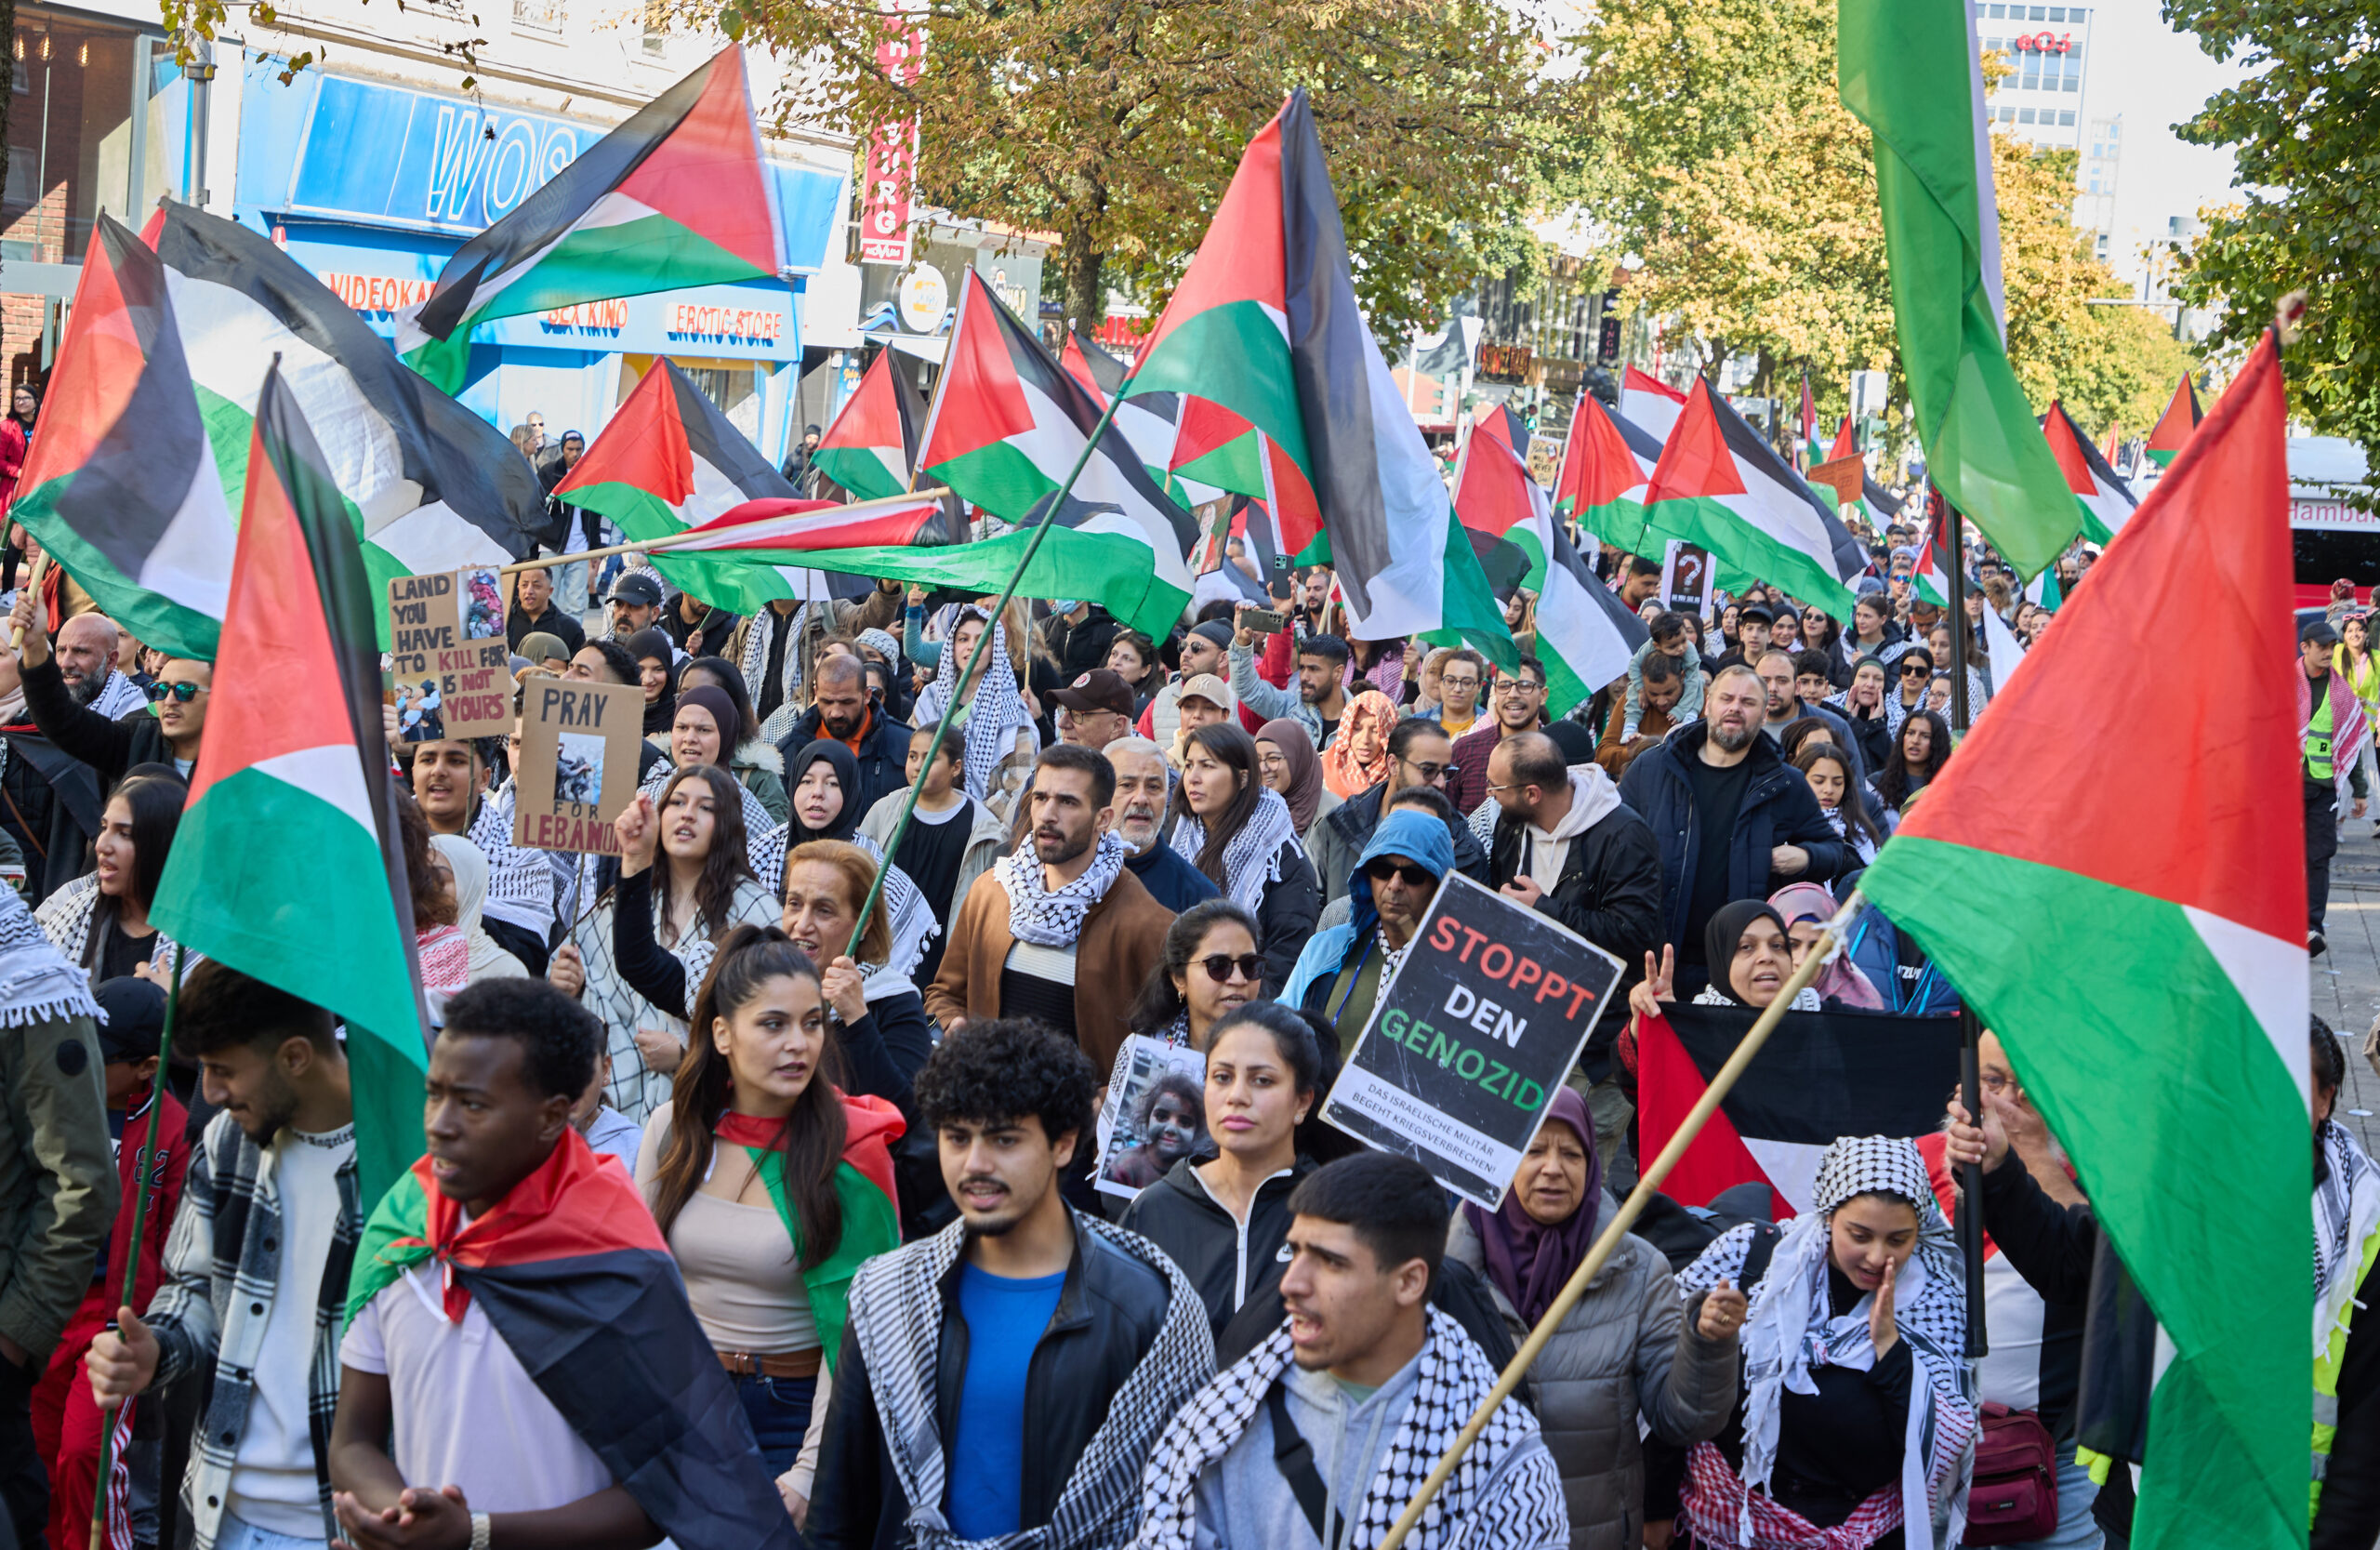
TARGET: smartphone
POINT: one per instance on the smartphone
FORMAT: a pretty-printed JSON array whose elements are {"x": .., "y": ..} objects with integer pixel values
[{"x": 1264, "y": 621}]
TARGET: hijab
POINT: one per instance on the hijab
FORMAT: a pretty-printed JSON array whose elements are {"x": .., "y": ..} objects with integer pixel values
[
  {"x": 1529, "y": 1261},
  {"x": 1725, "y": 932},
  {"x": 1296, "y": 744},
  {"x": 1342, "y": 770},
  {"x": 487, "y": 961},
  {"x": 662, "y": 712},
  {"x": 1841, "y": 981},
  {"x": 846, "y": 769},
  {"x": 714, "y": 700}
]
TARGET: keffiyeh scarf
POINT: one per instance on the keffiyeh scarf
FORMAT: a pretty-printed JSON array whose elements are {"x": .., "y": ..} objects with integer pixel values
[
  {"x": 755, "y": 665},
  {"x": 897, "y": 1309},
  {"x": 119, "y": 696},
  {"x": 1048, "y": 920},
  {"x": 1791, "y": 1332},
  {"x": 37, "y": 982},
  {"x": 70, "y": 917},
  {"x": 994, "y": 712},
  {"x": 1453, "y": 1379},
  {"x": 2347, "y": 1207},
  {"x": 1252, "y": 858},
  {"x": 906, "y": 911}
]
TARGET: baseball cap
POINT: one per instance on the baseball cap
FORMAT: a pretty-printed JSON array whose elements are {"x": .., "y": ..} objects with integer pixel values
[
  {"x": 1205, "y": 686},
  {"x": 1101, "y": 690},
  {"x": 637, "y": 587},
  {"x": 2317, "y": 631},
  {"x": 136, "y": 1017},
  {"x": 1755, "y": 611},
  {"x": 539, "y": 647}
]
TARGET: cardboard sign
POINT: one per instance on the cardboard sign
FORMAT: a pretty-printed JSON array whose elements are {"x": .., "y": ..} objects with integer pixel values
[
  {"x": 578, "y": 754},
  {"x": 1686, "y": 577},
  {"x": 1470, "y": 1039},
  {"x": 447, "y": 656}
]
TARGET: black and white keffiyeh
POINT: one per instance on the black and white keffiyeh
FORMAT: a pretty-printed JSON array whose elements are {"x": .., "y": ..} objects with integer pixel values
[
  {"x": 2347, "y": 1208},
  {"x": 897, "y": 1308},
  {"x": 70, "y": 916},
  {"x": 906, "y": 911},
  {"x": 1048, "y": 920},
  {"x": 1453, "y": 1379},
  {"x": 520, "y": 880},
  {"x": 995, "y": 711},
  {"x": 1791, "y": 1330},
  {"x": 37, "y": 981},
  {"x": 755, "y": 665},
  {"x": 1252, "y": 858},
  {"x": 119, "y": 696}
]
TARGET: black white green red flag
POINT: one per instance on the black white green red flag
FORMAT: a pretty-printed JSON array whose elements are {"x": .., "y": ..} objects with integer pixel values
[
  {"x": 2107, "y": 501},
  {"x": 1605, "y": 469},
  {"x": 871, "y": 449},
  {"x": 2042, "y": 875},
  {"x": 2173, "y": 428},
  {"x": 676, "y": 196},
  {"x": 1265, "y": 323},
  {"x": 286, "y": 865}
]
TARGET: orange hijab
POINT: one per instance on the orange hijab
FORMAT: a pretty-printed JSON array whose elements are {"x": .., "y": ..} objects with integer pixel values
[{"x": 1369, "y": 713}]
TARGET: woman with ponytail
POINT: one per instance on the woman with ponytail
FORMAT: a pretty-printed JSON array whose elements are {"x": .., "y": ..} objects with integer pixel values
[{"x": 770, "y": 1185}]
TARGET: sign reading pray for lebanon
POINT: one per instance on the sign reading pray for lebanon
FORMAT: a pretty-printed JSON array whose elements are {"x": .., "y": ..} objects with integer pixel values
[
  {"x": 1471, "y": 1038},
  {"x": 447, "y": 656},
  {"x": 579, "y": 756}
]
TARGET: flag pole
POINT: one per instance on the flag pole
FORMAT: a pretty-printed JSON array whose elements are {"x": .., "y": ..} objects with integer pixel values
[
  {"x": 695, "y": 535},
  {"x": 143, "y": 1162},
  {"x": 41, "y": 572},
  {"x": 1617, "y": 1228},
  {"x": 1970, "y": 1222}
]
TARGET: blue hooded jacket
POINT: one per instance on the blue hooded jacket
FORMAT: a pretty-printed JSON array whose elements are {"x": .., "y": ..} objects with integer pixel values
[{"x": 1419, "y": 837}]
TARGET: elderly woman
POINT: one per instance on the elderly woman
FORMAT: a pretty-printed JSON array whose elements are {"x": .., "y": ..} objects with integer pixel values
[{"x": 1628, "y": 1346}]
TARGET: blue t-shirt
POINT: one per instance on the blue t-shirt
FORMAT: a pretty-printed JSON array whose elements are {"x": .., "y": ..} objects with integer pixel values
[{"x": 1005, "y": 1318}]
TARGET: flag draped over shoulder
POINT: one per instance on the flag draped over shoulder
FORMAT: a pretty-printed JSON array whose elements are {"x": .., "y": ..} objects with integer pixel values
[
  {"x": 2040, "y": 874},
  {"x": 1910, "y": 71},
  {"x": 871, "y": 449},
  {"x": 1264, "y": 325},
  {"x": 287, "y": 866},
  {"x": 676, "y": 196}
]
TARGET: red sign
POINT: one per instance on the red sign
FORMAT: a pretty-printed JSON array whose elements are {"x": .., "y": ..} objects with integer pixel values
[
  {"x": 736, "y": 323},
  {"x": 890, "y": 170},
  {"x": 2046, "y": 43},
  {"x": 376, "y": 293}
]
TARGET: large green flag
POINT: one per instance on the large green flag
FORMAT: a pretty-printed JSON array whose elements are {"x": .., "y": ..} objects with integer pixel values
[{"x": 1910, "y": 71}]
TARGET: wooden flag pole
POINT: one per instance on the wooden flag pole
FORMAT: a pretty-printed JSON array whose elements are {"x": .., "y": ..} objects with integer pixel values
[
  {"x": 145, "y": 1162},
  {"x": 41, "y": 573},
  {"x": 679, "y": 539},
  {"x": 1609, "y": 1239}
]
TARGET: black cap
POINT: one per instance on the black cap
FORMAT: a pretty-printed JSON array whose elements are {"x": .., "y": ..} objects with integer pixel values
[
  {"x": 2317, "y": 631},
  {"x": 1755, "y": 611},
  {"x": 136, "y": 1010},
  {"x": 637, "y": 587}
]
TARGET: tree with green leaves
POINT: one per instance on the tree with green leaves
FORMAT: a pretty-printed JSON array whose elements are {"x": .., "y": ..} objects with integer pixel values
[{"x": 2302, "y": 131}]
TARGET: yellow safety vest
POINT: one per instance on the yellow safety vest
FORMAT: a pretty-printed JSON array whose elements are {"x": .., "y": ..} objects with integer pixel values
[
  {"x": 2318, "y": 736},
  {"x": 2326, "y": 1376}
]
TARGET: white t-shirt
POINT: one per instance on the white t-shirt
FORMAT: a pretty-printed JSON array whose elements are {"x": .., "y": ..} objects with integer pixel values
[
  {"x": 2013, "y": 1312},
  {"x": 465, "y": 1410},
  {"x": 272, "y": 1482}
]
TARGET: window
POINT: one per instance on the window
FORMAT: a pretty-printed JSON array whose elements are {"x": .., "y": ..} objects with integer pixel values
[
  {"x": 2066, "y": 118},
  {"x": 657, "y": 27},
  {"x": 2058, "y": 13},
  {"x": 2024, "y": 115},
  {"x": 2038, "y": 13},
  {"x": 542, "y": 16}
]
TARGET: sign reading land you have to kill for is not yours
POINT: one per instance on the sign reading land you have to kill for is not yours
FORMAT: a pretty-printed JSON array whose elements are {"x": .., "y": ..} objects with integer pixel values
[
  {"x": 1470, "y": 1040},
  {"x": 447, "y": 656}
]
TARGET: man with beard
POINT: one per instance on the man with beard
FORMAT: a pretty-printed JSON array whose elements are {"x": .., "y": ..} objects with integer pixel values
[
  {"x": 86, "y": 650},
  {"x": 110, "y": 746},
  {"x": 257, "y": 1269},
  {"x": 1321, "y": 699},
  {"x": 1203, "y": 653},
  {"x": 1519, "y": 701},
  {"x": 1753, "y": 822},
  {"x": 635, "y": 604},
  {"x": 841, "y": 710},
  {"x": 1010, "y": 1374},
  {"x": 1063, "y": 902},
  {"x": 1142, "y": 784}
]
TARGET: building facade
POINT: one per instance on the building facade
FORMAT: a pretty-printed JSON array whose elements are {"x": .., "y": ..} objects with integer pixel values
[{"x": 2048, "y": 49}]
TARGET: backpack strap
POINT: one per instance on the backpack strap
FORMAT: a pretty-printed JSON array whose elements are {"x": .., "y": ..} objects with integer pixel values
[
  {"x": 1762, "y": 1248},
  {"x": 1294, "y": 1458}
]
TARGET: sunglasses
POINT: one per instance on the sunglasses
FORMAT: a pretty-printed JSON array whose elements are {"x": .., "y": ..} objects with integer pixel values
[
  {"x": 1220, "y": 967},
  {"x": 1430, "y": 773},
  {"x": 182, "y": 692},
  {"x": 1914, "y": 669},
  {"x": 1413, "y": 877}
]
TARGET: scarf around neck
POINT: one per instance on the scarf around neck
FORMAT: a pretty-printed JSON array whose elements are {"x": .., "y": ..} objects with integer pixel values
[
  {"x": 37, "y": 982},
  {"x": 2346, "y": 1208},
  {"x": 1252, "y": 858},
  {"x": 994, "y": 712},
  {"x": 755, "y": 665},
  {"x": 1529, "y": 1261},
  {"x": 1048, "y": 919}
]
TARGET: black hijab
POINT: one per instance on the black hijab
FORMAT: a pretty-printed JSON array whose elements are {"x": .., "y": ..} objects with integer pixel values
[
  {"x": 1725, "y": 933},
  {"x": 846, "y": 774},
  {"x": 662, "y": 713}
]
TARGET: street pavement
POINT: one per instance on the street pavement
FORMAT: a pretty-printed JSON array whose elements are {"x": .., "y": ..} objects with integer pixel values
[{"x": 2347, "y": 979}]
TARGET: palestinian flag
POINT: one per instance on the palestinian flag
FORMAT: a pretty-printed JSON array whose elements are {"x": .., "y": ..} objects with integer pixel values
[
  {"x": 1820, "y": 1076},
  {"x": 429, "y": 485},
  {"x": 1811, "y": 452},
  {"x": 580, "y": 1286},
  {"x": 670, "y": 460},
  {"x": 1150, "y": 422},
  {"x": 1651, "y": 402},
  {"x": 674, "y": 197},
  {"x": 295, "y": 757},
  {"x": 1009, "y": 426},
  {"x": 2107, "y": 501},
  {"x": 1721, "y": 486},
  {"x": 1585, "y": 635},
  {"x": 1846, "y": 442},
  {"x": 1507, "y": 428},
  {"x": 1265, "y": 324},
  {"x": 1605, "y": 469},
  {"x": 1932, "y": 578},
  {"x": 2113, "y": 451},
  {"x": 871, "y": 449},
  {"x": 2042, "y": 875},
  {"x": 1909, "y": 70},
  {"x": 2174, "y": 427},
  {"x": 122, "y": 486}
]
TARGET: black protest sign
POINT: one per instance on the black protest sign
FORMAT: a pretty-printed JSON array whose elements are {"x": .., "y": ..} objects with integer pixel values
[
  {"x": 579, "y": 758},
  {"x": 1485, "y": 1017},
  {"x": 1686, "y": 577}
]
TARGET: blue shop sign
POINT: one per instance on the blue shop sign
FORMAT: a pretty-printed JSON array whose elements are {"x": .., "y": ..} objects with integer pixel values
[{"x": 330, "y": 148}]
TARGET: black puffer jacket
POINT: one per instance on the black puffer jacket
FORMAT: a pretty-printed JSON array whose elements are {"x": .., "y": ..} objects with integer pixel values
[
  {"x": 1232, "y": 1266},
  {"x": 1109, "y": 1313}
]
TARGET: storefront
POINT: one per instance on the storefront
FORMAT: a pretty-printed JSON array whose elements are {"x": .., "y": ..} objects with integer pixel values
[{"x": 373, "y": 187}]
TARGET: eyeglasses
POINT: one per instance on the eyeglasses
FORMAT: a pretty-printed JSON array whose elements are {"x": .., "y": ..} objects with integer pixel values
[
  {"x": 1412, "y": 877},
  {"x": 182, "y": 692},
  {"x": 1521, "y": 686},
  {"x": 1432, "y": 774},
  {"x": 1448, "y": 681},
  {"x": 1220, "y": 967}
]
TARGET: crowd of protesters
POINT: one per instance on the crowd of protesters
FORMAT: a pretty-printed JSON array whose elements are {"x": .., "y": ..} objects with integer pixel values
[{"x": 781, "y": 1186}]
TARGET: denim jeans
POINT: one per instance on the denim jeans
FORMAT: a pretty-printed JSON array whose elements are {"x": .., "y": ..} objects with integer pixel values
[
  {"x": 779, "y": 1411},
  {"x": 237, "y": 1535},
  {"x": 2076, "y": 1491}
]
